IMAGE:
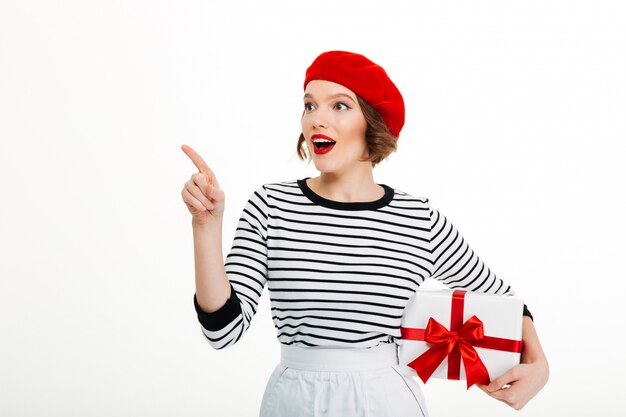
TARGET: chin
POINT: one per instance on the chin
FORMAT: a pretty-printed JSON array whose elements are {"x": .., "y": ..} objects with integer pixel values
[{"x": 323, "y": 166}]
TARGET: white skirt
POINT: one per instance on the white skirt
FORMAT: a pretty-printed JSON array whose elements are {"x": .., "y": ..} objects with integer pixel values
[{"x": 337, "y": 382}]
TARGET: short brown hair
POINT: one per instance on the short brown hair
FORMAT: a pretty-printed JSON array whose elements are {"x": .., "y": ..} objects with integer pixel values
[{"x": 380, "y": 141}]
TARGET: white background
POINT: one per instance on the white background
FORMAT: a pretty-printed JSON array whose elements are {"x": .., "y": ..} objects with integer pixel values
[{"x": 515, "y": 130}]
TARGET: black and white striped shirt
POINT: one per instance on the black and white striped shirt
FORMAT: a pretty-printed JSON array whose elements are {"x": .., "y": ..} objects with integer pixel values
[{"x": 339, "y": 274}]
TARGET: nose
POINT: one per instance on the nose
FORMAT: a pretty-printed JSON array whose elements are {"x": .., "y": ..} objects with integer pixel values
[
  {"x": 319, "y": 123},
  {"x": 319, "y": 119}
]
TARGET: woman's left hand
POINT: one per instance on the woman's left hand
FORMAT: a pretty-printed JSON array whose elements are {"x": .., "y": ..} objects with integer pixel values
[{"x": 517, "y": 386}]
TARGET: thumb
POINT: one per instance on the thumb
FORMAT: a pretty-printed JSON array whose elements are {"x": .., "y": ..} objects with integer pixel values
[
  {"x": 505, "y": 379},
  {"x": 212, "y": 181},
  {"x": 217, "y": 184},
  {"x": 203, "y": 181}
]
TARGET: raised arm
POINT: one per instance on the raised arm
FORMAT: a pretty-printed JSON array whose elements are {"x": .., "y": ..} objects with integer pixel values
[{"x": 246, "y": 270}]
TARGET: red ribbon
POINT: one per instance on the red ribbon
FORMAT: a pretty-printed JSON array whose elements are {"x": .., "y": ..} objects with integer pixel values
[{"x": 457, "y": 344}]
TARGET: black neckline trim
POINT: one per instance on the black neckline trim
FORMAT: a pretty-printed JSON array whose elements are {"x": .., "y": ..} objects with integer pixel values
[{"x": 343, "y": 205}]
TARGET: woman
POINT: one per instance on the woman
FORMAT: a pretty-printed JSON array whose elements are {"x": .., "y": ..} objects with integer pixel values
[{"x": 341, "y": 256}]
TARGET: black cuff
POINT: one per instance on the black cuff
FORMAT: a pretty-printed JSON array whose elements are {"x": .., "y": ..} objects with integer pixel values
[
  {"x": 527, "y": 313},
  {"x": 218, "y": 319}
]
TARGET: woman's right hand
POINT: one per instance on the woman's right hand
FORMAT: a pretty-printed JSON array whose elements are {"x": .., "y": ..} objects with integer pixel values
[{"x": 202, "y": 193}]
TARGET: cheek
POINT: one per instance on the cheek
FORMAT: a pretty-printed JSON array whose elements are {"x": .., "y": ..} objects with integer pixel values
[
  {"x": 357, "y": 129},
  {"x": 304, "y": 122}
]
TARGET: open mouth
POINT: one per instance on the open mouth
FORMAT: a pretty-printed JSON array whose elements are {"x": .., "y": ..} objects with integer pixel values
[{"x": 323, "y": 144}]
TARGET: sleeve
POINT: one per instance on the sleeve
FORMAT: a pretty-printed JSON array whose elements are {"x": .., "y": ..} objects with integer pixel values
[
  {"x": 246, "y": 269},
  {"x": 454, "y": 263}
]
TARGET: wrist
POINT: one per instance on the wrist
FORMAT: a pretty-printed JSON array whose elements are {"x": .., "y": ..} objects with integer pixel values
[{"x": 207, "y": 226}]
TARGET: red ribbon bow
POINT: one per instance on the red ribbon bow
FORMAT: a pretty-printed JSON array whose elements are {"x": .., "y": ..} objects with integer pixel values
[{"x": 456, "y": 344}]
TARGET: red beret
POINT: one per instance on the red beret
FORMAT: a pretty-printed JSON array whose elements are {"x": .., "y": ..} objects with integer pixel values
[{"x": 366, "y": 79}]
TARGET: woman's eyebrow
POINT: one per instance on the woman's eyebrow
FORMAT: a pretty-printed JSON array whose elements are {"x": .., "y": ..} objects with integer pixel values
[{"x": 333, "y": 96}]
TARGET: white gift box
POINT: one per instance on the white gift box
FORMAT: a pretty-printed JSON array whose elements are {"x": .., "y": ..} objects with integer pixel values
[{"x": 499, "y": 349}]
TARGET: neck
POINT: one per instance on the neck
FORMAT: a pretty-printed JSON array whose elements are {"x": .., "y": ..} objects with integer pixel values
[{"x": 351, "y": 187}]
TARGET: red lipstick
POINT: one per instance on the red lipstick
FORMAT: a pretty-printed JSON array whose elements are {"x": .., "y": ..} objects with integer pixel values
[{"x": 322, "y": 146}]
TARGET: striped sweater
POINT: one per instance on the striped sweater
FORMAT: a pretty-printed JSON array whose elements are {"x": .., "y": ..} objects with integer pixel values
[{"x": 339, "y": 274}]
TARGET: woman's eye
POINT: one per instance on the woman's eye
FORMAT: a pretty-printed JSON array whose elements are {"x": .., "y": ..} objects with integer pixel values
[{"x": 308, "y": 106}]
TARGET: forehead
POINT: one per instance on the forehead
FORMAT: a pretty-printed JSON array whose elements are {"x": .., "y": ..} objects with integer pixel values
[{"x": 321, "y": 89}]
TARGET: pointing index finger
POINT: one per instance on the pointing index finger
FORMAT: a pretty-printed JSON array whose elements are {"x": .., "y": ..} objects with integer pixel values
[
  {"x": 199, "y": 163},
  {"x": 196, "y": 159}
]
